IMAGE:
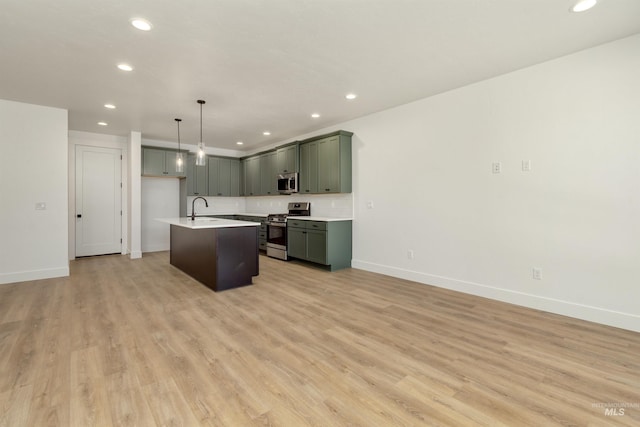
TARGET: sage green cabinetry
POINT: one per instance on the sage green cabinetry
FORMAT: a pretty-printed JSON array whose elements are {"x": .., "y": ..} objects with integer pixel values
[
  {"x": 197, "y": 178},
  {"x": 159, "y": 162},
  {"x": 268, "y": 172},
  {"x": 322, "y": 242},
  {"x": 325, "y": 164},
  {"x": 251, "y": 171},
  {"x": 287, "y": 159},
  {"x": 223, "y": 176},
  {"x": 309, "y": 167}
]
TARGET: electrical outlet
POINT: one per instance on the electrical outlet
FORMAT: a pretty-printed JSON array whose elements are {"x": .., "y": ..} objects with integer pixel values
[
  {"x": 537, "y": 273},
  {"x": 496, "y": 167},
  {"x": 410, "y": 254},
  {"x": 526, "y": 165},
  {"x": 370, "y": 204},
  {"x": 41, "y": 206}
]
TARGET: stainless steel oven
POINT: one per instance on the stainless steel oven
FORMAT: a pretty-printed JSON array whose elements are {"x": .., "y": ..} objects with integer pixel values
[
  {"x": 277, "y": 229},
  {"x": 277, "y": 237}
]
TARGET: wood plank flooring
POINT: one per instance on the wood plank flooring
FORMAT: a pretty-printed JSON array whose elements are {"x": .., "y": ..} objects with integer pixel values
[{"x": 137, "y": 342}]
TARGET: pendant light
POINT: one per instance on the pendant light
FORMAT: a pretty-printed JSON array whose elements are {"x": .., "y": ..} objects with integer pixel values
[
  {"x": 201, "y": 159},
  {"x": 179, "y": 158}
]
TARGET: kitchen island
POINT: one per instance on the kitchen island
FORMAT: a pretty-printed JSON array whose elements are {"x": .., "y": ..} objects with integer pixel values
[{"x": 220, "y": 253}]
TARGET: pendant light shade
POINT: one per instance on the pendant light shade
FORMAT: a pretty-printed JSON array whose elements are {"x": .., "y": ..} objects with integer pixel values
[
  {"x": 179, "y": 158},
  {"x": 201, "y": 159}
]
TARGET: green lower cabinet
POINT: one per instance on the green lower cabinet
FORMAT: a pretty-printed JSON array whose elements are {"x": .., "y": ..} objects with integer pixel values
[
  {"x": 317, "y": 246},
  {"x": 297, "y": 242},
  {"x": 327, "y": 243}
]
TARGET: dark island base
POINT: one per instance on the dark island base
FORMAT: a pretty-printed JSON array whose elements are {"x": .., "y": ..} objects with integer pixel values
[{"x": 220, "y": 258}]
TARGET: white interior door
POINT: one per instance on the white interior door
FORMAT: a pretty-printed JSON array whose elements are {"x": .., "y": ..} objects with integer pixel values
[{"x": 98, "y": 201}]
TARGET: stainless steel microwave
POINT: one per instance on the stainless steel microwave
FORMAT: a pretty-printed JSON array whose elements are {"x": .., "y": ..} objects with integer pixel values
[{"x": 288, "y": 183}]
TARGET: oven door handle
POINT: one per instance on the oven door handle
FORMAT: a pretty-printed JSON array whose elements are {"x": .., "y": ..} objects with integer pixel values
[{"x": 277, "y": 224}]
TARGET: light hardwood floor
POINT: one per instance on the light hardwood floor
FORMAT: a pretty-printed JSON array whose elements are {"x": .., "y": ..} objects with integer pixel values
[{"x": 124, "y": 342}]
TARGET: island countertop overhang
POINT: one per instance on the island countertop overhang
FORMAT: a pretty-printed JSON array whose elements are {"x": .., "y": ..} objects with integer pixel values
[{"x": 203, "y": 222}]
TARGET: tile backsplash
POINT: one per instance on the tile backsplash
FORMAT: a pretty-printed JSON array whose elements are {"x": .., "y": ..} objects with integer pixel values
[{"x": 325, "y": 205}]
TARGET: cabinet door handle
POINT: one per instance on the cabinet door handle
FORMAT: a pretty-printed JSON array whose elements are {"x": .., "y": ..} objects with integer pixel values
[{"x": 79, "y": 216}]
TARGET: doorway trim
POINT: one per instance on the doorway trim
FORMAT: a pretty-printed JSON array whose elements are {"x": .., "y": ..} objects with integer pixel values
[{"x": 103, "y": 141}]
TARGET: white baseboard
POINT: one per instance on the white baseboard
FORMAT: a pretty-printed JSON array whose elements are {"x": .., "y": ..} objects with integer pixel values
[
  {"x": 25, "y": 276},
  {"x": 566, "y": 308},
  {"x": 155, "y": 248},
  {"x": 135, "y": 254}
]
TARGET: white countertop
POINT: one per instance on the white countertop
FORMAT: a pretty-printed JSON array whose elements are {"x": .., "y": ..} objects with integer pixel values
[
  {"x": 319, "y": 218},
  {"x": 201, "y": 222},
  {"x": 264, "y": 215}
]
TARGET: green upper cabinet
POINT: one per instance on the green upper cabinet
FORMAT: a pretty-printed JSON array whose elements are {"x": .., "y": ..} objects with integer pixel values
[
  {"x": 251, "y": 171},
  {"x": 287, "y": 159},
  {"x": 268, "y": 172},
  {"x": 309, "y": 167},
  {"x": 234, "y": 177},
  {"x": 325, "y": 164},
  {"x": 223, "y": 176},
  {"x": 159, "y": 162},
  {"x": 197, "y": 178},
  {"x": 329, "y": 165}
]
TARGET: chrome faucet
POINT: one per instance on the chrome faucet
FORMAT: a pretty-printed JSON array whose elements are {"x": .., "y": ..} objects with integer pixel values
[{"x": 193, "y": 204}]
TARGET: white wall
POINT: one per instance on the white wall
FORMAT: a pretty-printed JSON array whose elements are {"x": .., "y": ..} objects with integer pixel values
[
  {"x": 426, "y": 166},
  {"x": 134, "y": 243},
  {"x": 160, "y": 199},
  {"x": 33, "y": 143}
]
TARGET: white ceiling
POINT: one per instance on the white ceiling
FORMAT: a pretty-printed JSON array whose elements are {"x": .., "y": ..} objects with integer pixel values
[{"x": 268, "y": 64}]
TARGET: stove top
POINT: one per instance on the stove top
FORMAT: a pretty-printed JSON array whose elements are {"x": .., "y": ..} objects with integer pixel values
[{"x": 295, "y": 209}]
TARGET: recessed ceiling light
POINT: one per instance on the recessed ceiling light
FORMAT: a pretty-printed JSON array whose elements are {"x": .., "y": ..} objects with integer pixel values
[
  {"x": 583, "y": 5},
  {"x": 141, "y": 24},
  {"x": 109, "y": 106},
  {"x": 266, "y": 133},
  {"x": 315, "y": 115},
  {"x": 239, "y": 143},
  {"x": 102, "y": 123},
  {"x": 351, "y": 96},
  {"x": 125, "y": 67}
]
